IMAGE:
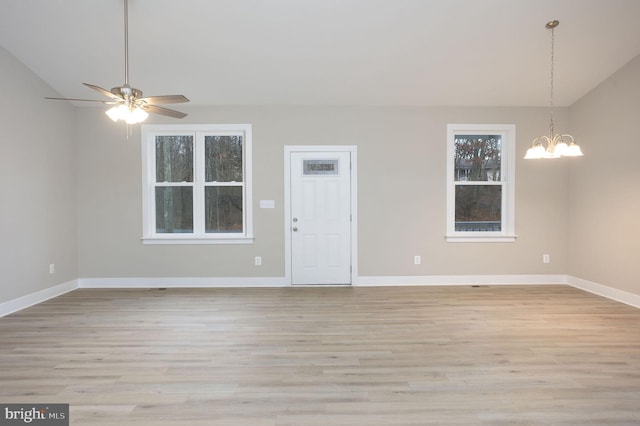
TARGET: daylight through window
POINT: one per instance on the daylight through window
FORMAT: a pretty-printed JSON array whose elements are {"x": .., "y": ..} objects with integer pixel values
[
  {"x": 197, "y": 184},
  {"x": 480, "y": 182}
]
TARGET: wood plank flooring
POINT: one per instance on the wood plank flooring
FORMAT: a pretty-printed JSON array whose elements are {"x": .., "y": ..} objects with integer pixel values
[{"x": 503, "y": 355}]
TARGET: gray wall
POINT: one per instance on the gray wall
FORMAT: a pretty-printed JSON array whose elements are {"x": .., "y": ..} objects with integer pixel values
[
  {"x": 71, "y": 190},
  {"x": 37, "y": 184},
  {"x": 401, "y": 194},
  {"x": 604, "y": 239}
]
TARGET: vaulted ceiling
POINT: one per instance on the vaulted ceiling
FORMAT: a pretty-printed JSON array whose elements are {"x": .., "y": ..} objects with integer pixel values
[{"x": 326, "y": 52}]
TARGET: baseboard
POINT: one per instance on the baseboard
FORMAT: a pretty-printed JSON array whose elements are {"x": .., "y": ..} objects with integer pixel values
[
  {"x": 24, "y": 302},
  {"x": 165, "y": 282},
  {"x": 605, "y": 291},
  {"x": 432, "y": 280},
  {"x": 220, "y": 282}
]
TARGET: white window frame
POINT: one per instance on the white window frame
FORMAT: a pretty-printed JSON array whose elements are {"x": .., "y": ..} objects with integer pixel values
[
  {"x": 508, "y": 162},
  {"x": 199, "y": 131}
]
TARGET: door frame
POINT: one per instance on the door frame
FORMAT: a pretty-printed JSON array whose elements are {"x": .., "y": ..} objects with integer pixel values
[{"x": 288, "y": 150}]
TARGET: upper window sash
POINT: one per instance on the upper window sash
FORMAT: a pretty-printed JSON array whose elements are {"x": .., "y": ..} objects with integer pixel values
[{"x": 495, "y": 177}]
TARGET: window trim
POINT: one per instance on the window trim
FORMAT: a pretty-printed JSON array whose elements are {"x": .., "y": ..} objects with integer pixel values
[
  {"x": 508, "y": 133},
  {"x": 148, "y": 133}
]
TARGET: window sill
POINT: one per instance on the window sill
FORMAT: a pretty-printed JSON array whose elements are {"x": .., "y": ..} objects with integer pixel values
[
  {"x": 481, "y": 238},
  {"x": 196, "y": 240}
]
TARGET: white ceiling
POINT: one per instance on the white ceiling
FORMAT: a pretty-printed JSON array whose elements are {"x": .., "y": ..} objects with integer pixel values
[{"x": 326, "y": 52}]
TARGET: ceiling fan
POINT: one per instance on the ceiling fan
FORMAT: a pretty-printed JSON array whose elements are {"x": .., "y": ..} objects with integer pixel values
[{"x": 129, "y": 103}]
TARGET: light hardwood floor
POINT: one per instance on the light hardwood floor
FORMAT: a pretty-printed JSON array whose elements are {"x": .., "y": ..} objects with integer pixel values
[{"x": 504, "y": 355}]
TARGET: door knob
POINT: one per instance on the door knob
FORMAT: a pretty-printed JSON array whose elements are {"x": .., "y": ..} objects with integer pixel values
[{"x": 295, "y": 229}]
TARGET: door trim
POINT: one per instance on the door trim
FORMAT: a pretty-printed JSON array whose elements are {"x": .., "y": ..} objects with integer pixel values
[{"x": 288, "y": 150}]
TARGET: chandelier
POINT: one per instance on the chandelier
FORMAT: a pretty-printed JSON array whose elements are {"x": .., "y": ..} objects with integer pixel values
[{"x": 555, "y": 145}]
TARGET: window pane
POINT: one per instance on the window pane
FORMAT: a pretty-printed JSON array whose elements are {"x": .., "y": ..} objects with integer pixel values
[
  {"x": 174, "y": 209},
  {"x": 223, "y": 158},
  {"x": 478, "y": 208},
  {"x": 223, "y": 209},
  {"x": 477, "y": 157},
  {"x": 174, "y": 158}
]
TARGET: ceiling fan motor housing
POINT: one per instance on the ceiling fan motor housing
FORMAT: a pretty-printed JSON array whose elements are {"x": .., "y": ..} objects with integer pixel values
[{"x": 127, "y": 93}]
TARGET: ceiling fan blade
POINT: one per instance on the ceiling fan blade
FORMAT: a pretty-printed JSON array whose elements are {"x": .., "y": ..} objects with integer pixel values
[
  {"x": 81, "y": 100},
  {"x": 164, "y": 111},
  {"x": 103, "y": 91},
  {"x": 166, "y": 99}
]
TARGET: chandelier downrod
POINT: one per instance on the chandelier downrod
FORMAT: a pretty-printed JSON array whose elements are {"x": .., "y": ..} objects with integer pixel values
[{"x": 126, "y": 43}]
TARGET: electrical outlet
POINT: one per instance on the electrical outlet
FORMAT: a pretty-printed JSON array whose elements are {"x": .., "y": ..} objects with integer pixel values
[
  {"x": 52, "y": 268},
  {"x": 546, "y": 258},
  {"x": 258, "y": 261},
  {"x": 417, "y": 260}
]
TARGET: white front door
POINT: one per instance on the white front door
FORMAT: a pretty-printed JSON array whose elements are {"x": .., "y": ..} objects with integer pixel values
[{"x": 320, "y": 216}]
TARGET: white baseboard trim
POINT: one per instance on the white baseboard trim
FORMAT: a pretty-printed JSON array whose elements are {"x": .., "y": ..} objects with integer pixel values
[
  {"x": 605, "y": 291},
  {"x": 221, "y": 282},
  {"x": 24, "y": 302},
  {"x": 433, "y": 280},
  {"x": 204, "y": 282}
]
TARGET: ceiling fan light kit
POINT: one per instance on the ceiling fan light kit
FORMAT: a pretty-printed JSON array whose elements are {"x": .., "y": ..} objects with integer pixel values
[
  {"x": 124, "y": 113},
  {"x": 129, "y": 104}
]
